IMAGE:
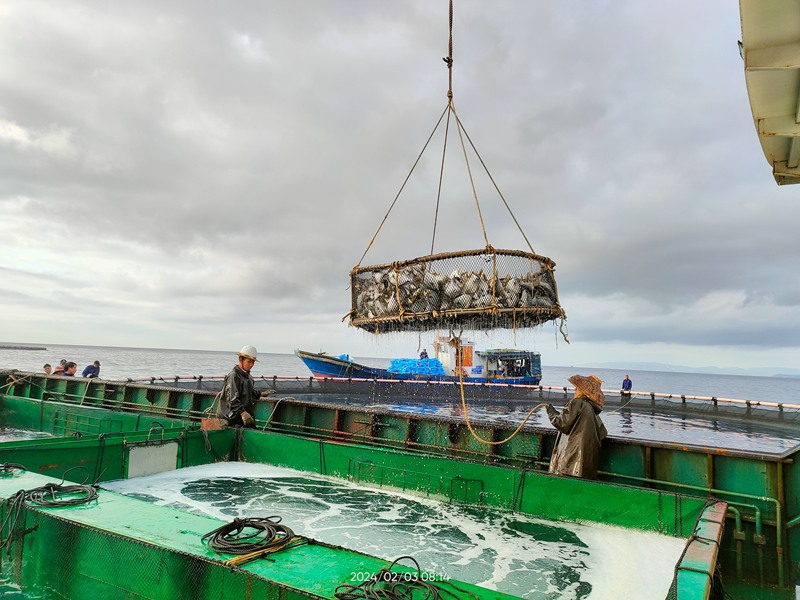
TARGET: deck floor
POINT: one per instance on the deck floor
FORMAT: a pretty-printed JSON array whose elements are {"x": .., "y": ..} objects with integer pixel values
[{"x": 510, "y": 553}]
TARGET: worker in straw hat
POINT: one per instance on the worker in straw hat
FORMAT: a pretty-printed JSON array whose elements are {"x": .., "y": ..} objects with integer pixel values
[
  {"x": 580, "y": 430},
  {"x": 238, "y": 399}
]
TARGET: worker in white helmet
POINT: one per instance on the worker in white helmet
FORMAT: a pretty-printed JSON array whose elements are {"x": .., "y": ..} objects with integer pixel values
[{"x": 238, "y": 399}]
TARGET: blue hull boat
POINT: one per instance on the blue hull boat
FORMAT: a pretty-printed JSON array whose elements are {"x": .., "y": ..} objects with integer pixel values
[
  {"x": 507, "y": 366},
  {"x": 323, "y": 365}
]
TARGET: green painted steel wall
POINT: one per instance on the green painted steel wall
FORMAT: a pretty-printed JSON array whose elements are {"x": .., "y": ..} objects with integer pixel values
[
  {"x": 693, "y": 578},
  {"x": 105, "y": 458},
  {"x": 98, "y": 440},
  {"x": 60, "y": 418},
  {"x": 158, "y": 400},
  {"x": 755, "y": 486},
  {"x": 526, "y": 492},
  {"x": 120, "y": 547}
]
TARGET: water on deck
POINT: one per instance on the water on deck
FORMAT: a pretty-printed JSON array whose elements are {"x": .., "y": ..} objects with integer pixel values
[
  {"x": 10, "y": 434},
  {"x": 519, "y": 555},
  {"x": 768, "y": 434}
]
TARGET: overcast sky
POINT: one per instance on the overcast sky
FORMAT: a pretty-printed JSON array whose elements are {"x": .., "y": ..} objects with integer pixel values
[{"x": 203, "y": 175}]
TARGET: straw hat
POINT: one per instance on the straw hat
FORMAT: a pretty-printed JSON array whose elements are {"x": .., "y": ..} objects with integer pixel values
[{"x": 589, "y": 387}]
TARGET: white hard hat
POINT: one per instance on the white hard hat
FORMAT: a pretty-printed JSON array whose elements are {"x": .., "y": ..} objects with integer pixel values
[{"x": 249, "y": 352}]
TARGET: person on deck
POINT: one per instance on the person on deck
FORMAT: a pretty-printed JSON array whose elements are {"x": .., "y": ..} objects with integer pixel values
[
  {"x": 580, "y": 430},
  {"x": 424, "y": 354},
  {"x": 92, "y": 370},
  {"x": 47, "y": 369},
  {"x": 69, "y": 369},
  {"x": 238, "y": 399},
  {"x": 627, "y": 384}
]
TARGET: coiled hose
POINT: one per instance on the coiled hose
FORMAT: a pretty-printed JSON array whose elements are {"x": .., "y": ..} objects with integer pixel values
[{"x": 251, "y": 538}]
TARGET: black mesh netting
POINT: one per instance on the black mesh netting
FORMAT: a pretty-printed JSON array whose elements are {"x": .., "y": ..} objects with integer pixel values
[{"x": 470, "y": 290}]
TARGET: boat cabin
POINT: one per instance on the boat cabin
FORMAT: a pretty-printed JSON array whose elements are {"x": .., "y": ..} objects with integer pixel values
[{"x": 493, "y": 364}]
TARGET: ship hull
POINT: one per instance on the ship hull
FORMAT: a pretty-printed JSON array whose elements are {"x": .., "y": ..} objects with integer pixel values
[{"x": 325, "y": 366}]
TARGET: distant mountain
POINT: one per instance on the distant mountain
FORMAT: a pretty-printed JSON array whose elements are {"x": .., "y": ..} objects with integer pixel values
[{"x": 652, "y": 366}]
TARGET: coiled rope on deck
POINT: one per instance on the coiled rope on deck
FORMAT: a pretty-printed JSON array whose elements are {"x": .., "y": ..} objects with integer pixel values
[
  {"x": 55, "y": 495},
  {"x": 7, "y": 469},
  {"x": 12, "y": 381},
  {"x": 50, "y": 495},
  {"x": 251, "y": 538},
  {"x": 401, "y": 585}
]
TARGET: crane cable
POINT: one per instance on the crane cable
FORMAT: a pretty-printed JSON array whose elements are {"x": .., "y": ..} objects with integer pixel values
[
  {"x": 402, "y": 187},
  {"x": 463, "y": 135}
]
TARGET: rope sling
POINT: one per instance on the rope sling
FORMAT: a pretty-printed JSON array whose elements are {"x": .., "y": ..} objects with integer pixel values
[{"x": 480, "y": 289}]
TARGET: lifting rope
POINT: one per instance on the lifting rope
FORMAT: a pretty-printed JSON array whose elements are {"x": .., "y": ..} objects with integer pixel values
[
  {"x": 456, "y": 342},
  {"x": 402, "y": 187},
  {"x": 450, "y": 110},
  {"x": 480, "y": 289}
]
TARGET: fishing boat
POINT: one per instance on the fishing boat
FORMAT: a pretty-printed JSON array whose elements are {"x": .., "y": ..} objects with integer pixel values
[
  {"x": 732, "y": 499},
  {"x": 450, "y": 362}
]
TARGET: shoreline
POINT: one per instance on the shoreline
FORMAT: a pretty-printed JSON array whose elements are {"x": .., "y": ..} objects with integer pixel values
[{"x": 21, "y": 347}]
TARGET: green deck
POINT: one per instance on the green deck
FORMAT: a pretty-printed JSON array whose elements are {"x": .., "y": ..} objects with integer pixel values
[
  {"x": 120, "y": 547},
  {"x": 661, "y": 488}
]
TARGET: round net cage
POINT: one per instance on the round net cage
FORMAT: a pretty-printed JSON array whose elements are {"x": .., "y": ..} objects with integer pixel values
[{"x": 465, "y": 290}]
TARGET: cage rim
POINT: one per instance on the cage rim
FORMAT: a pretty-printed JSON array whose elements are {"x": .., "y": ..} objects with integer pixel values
[{"x": 549, "y": 263}]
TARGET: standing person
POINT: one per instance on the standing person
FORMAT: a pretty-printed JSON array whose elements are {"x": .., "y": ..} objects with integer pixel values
[
  {"x": 424, "y": 354},
  {"x": 580, "y": 430},
  {"x": 47, "y": 369},
  {"x": 238, "y": 399},
  {"x": 69, "y": 369},
  {"x": 92, "y": 370},
  {"x": 627, "y": 384}
]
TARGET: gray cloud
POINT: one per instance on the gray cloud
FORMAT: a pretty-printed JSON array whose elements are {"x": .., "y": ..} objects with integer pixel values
[{"x": 189, "y": 174}]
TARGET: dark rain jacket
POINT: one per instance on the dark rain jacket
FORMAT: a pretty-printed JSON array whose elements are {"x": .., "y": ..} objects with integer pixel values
[
  {"x": 580, "y": 431},
  {"x": 238, "y": 395}
]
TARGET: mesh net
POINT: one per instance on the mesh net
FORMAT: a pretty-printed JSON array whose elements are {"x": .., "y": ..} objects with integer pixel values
[
  {"x": 469, "y": 290},
  {"x": 57, "y": 558}
]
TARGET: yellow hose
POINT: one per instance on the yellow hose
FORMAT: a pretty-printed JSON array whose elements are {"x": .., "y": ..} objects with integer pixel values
[{"x": 469, "y": 425}]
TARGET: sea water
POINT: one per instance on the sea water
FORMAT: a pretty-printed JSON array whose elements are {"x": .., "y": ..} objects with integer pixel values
[
  {"x": 640, "y": 425},
  {"x": 524, "y": 556},
  {"x": 124, "y": 363},
  {"x": 10, "y": 434}
]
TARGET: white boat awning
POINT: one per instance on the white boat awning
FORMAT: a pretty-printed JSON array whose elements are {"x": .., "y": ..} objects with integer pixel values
[{"x": 771, "y": 53}]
